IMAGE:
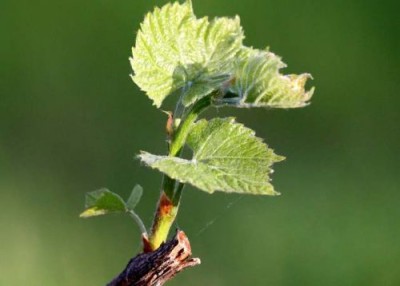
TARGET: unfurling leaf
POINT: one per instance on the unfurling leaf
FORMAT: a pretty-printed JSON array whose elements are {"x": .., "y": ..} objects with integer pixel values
[
  {"x": 258, "y": 82},
  {"x": 134, "y": 198},
  {"x": 102, "y": 202},
  {"x": 176, "y": 50},
  {"x": 227, "y": 157}
]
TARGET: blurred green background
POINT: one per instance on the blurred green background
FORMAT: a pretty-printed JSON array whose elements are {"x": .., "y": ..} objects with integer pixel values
[{"x": 71, "y": 121}]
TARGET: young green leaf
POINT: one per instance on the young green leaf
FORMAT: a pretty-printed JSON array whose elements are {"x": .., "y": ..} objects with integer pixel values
[
  {"x": 134, "y": 198},
  {"x": 176, "y": 50},
  {"x": 258, "y": 83},
  {"x": 227, "y": 157},
  {"x": 102, "y": 202}
]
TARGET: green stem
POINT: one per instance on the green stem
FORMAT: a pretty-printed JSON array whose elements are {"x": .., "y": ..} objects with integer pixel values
[
  {"x": 183, "y": 130},
  {"x": 178, "y": 193},
  {"x": 168, "y": 204}
]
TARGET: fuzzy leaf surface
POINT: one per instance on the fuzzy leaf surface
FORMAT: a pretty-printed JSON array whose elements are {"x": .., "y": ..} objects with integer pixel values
[
  {"x": 227, "y": 157},
  {"x": 175, "y": 50},
  {"x": 102, "y": 202},
  {"x": 258, "y": 82}
]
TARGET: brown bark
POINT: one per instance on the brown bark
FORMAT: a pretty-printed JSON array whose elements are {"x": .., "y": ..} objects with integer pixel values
[{"x": 157, "y": 267}]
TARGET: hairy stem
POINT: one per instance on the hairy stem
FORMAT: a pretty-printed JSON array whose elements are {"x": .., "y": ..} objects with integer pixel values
[
  {"x": 179, "y": 139},
  {"x": 168, "y": 203}
]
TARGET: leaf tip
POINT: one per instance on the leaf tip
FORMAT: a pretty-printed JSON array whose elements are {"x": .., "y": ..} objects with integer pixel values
[
  {"x": 279, "y": 158},
  {"x": 189, "y": 4},
  {"x": 276, "y": 194},
  {"x": 157, "y": 103},
  {"x": 134, "y": 197}
]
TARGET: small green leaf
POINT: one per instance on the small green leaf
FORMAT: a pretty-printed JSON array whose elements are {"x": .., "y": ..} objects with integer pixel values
[
  {"x": 227, "y": 157},
  {"x": 134, "y": 198},
  {"x": 258, "y": 83},
  {"x": 102, "y": 202},
  {"x": 175, "y": 50}
]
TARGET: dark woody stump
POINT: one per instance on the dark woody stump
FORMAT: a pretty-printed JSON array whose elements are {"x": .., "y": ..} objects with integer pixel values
[{"x": 157, "y": 267}]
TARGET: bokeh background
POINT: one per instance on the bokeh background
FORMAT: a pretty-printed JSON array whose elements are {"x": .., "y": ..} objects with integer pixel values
[{"x": 71, "y": 121}]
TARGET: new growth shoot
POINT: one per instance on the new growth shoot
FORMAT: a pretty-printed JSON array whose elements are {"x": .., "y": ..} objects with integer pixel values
[{"x": 203, "y": 63}]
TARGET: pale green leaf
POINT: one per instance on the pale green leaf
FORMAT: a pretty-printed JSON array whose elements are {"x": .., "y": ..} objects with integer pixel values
[
  {"x": 134, "y": 198},
  {"x": 102, "y": 202},
  {"x": 227, "y": 157},
  {"x": 176, "y": 50},
  {"x": 258, "y": 82}
]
